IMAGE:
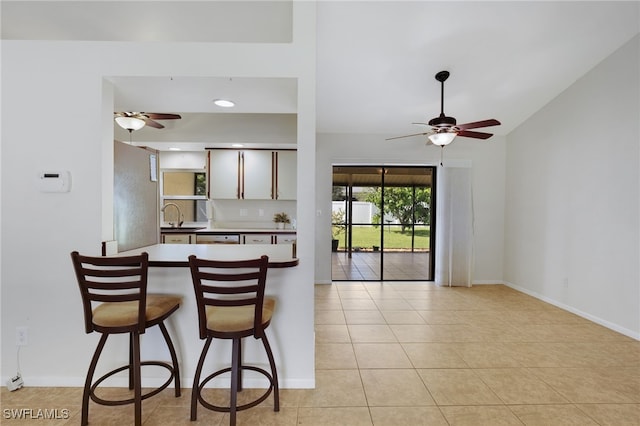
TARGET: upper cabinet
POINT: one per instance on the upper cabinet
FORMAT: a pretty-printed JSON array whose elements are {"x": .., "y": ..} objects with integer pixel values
[
  {"x": 286, "y": 175},
  {"x": 252, "y": 174},
  {"x": 257, "y": 175},
  {"x": 223, "y": 169}
]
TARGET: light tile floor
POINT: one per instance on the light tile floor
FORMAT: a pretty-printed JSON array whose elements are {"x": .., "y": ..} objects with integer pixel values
[
  {"x": 366, "y": 265},
  {"x": 407, "y": 353}
]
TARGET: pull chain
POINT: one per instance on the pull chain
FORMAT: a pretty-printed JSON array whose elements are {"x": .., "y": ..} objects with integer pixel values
[{"x": 441, "y": 154}]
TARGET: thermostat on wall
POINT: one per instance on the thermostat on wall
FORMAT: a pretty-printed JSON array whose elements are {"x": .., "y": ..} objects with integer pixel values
[{"x": 54, "y": 181}]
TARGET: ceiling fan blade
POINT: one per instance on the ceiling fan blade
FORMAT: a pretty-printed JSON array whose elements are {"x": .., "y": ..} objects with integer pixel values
[
  {"x": 476, "y": 124},
  {"x": 152, "y": 123},
  {"x": 408, "y": 136},
  {"x": 475, "y": 135},
  {"x": 156, "y": 116}
]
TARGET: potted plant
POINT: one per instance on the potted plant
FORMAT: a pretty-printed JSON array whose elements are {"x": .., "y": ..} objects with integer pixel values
[
  {"x": 337, "y": 227},
  {"x": 281, "y": 219}
]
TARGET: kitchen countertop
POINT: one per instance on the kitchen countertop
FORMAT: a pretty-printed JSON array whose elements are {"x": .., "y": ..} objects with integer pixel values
[
  {"x": 207, "y": 230},
  {"x": 177, "y": 255}
]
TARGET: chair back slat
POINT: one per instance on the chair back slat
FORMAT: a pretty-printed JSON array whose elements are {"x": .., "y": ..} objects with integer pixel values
[
  {"x": 112, "y": 280},
  {"x": 229, "y": 283},
  {"x": 238, "y": 276},
  {"x": 112, "y": 285}
]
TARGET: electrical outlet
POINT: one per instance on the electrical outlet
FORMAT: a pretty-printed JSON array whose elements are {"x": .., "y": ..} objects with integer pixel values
[{"x": 22, "y": 336}]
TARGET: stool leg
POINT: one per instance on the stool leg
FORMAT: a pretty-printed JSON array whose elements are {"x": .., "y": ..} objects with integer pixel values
[
  {"x": 87, "y": 384},
  {"x": 174, "y": 358},
  {"x": 131, "y": 384},
  {"x": 239, "y": 381},
  {"x": 195, "y": 390},
  {"x": 137, "y": 385},
  {"x": 235, "y": 362},
  {"x": 274, "y": 373}
]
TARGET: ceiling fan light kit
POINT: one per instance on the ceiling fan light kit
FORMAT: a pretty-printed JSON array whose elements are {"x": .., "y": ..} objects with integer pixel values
[
  {"x": 137, "y": 120},
  {"x": 130, "y": 123},
  {"x": 442, "y": 138},
  {"x": 445, "y": 129}
]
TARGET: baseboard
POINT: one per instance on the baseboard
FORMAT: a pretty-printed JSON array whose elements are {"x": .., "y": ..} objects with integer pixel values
[
  {"x": 185, "y": 382},
  {"x": 585, "y": 315},
  {"x": 488, "y": 282}
]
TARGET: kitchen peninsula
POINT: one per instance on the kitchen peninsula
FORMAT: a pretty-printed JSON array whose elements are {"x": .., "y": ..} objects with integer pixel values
[{"x": 292, "y": 344}]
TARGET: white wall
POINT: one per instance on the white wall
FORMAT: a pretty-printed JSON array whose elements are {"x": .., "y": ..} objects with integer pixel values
[
  {"x": 572, "y": 216},
  {"x": 57, "y": 114},
  {"x": 487, "y": 159}
]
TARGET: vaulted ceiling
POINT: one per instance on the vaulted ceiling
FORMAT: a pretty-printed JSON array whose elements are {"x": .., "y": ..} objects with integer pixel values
[{"x": 376, "y": 60}]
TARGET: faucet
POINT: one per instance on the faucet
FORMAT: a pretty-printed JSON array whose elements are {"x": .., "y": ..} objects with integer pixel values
[{"x": 180, "y": 215}]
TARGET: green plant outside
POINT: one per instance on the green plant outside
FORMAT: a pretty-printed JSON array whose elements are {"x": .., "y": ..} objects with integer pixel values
[{"x": 365, "y": 237}]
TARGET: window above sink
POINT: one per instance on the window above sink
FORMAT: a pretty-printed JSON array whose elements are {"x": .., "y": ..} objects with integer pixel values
[{"x": 187, "y": 188}]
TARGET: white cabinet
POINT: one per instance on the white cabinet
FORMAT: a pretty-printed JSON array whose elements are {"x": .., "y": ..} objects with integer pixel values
[
  {"x": 257, "y": 175},
  {"x": 286, "y": 175},
  {"x": 173, "y": 238},
  {"x": 257, "y": 239},
  {"x": 285, "y": 239},
  {"x": 268, "y": 238},
  {"x": 252, "y": 174},
  {"x": 223, "y": 167}
]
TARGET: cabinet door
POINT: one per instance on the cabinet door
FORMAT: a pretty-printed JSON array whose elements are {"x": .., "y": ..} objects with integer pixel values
[
  {"x": 224, "y": 174},
  {"x": 258, "y": 175},
  {"x": 286, "y": 175},
  {"x": 178, "y": 238},
  {"x": 286, "y": 239},
  {"x": 256, "y": 239}
]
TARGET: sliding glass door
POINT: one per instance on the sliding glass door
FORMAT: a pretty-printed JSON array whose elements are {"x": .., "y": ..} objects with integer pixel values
[{"x": 383, "y": 221}]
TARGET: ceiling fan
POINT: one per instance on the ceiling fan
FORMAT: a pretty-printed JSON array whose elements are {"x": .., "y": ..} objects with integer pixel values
[
  {"x": 444, "y": 129},
  {"x": 137, "y": 120}
]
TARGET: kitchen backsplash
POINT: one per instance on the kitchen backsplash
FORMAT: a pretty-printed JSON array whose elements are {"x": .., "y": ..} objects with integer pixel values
[{"x": 250, "y": 213}]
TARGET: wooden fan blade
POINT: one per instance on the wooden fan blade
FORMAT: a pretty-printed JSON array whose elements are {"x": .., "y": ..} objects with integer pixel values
[
  {"x": 476, "y": 135},
  {"x": 476, "y": 124},
  {"x": 152, "y": 123},
  {"x": 408, "y": 136},
  {"x": 157, "y": 116}
]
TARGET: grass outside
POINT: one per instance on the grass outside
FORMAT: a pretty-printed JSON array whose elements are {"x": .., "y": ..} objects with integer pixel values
[{"x": 365, "y": 237}]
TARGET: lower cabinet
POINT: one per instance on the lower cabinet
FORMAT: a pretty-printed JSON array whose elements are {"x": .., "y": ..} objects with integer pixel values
[
  {"x": 178, "y": 238},
  {"x": 257, "y": 239},
  {"x": 285, "y": 239},
  {"x": 226, "y": 238}
]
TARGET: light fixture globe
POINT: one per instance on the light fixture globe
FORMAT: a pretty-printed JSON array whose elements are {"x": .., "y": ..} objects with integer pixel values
[
  {"x": 442, "y": 138},
  {"x": 130, "y": 123}
]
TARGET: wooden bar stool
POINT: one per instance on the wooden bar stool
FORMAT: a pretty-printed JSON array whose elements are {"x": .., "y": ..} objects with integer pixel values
[
  {"x": 119, "y": 285},
  {"x": 231, "y": 305}
]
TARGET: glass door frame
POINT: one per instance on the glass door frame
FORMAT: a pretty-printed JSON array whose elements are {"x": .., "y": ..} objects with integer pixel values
[{"x": 348, "y": 218}]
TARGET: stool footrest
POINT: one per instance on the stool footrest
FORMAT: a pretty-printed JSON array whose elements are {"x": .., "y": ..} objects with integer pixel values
[
  {"x": 227, "y": 409},
  {"x": 149, "y": 394}
]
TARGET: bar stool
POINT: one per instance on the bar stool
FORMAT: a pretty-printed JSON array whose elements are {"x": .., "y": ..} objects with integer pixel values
[
  {"x": 231, "y": 305},
  {"x": 120, "y": 285}
]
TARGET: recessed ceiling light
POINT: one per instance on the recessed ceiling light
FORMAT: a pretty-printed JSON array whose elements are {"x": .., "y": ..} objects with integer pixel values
[
  {"x": 237, "y": 145},
  {"x": 173, "y": 148},
  {"x": 224, "y": 103}
]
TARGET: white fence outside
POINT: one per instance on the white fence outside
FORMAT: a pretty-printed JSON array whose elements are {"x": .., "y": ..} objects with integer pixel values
[{"x": 363, "y": 211}]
